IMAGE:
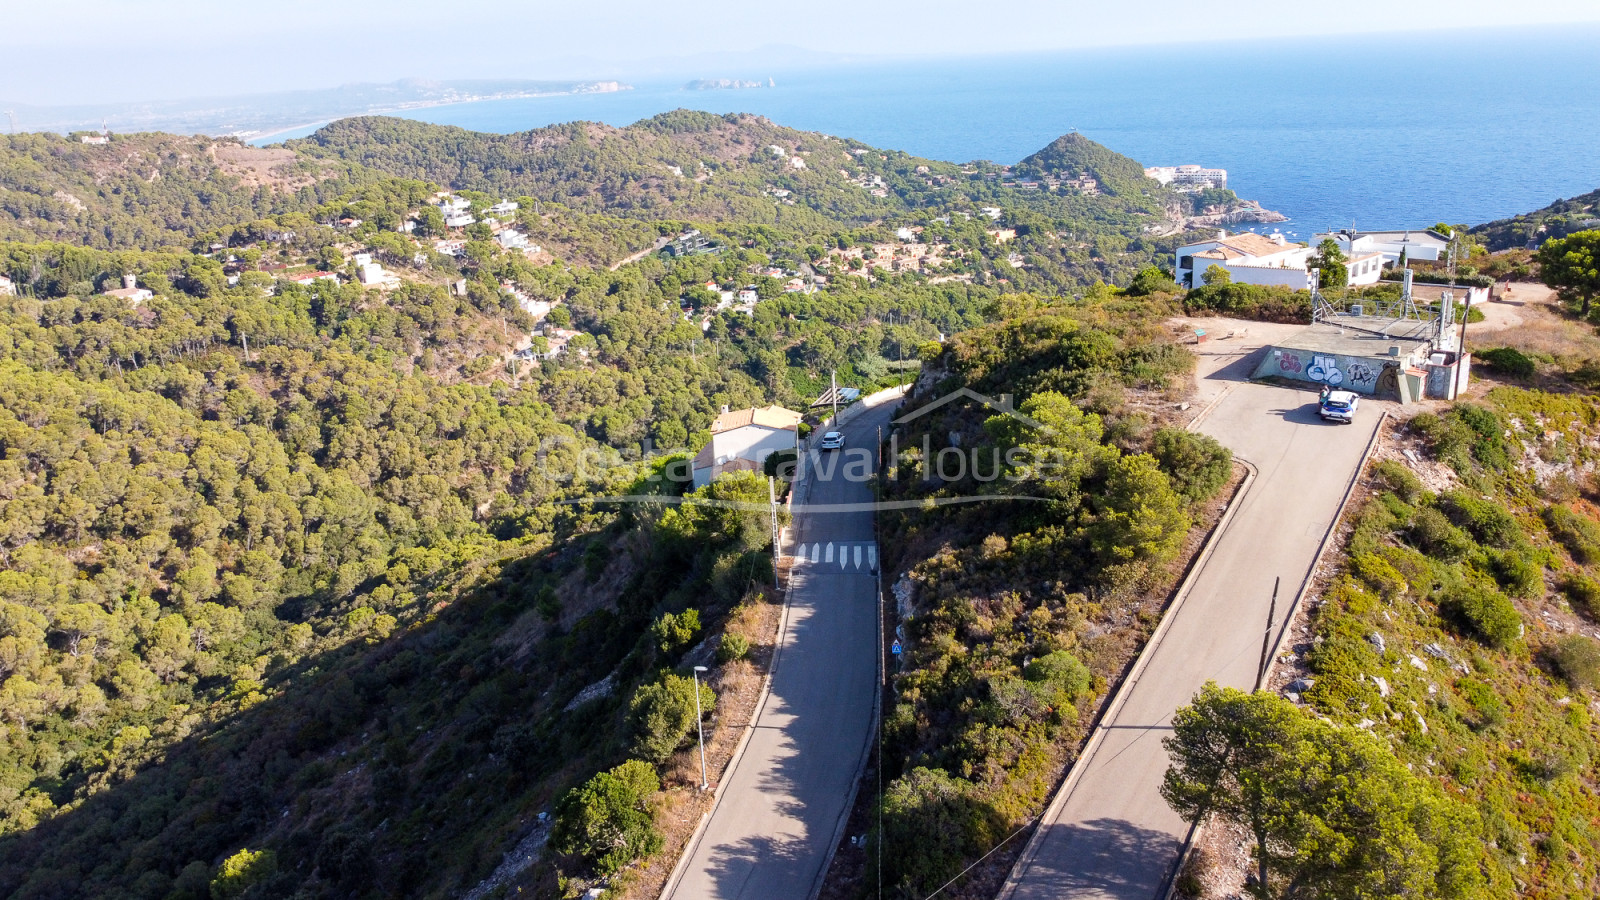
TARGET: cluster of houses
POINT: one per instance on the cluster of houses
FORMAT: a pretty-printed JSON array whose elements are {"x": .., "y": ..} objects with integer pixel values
[
  {"x": 1188, "y": 178},
  {"x": 1250, "y": 258},
  {"x": 457, "y": 214}
]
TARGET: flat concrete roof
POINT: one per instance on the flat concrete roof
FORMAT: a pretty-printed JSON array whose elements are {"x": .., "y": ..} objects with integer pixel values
[{"x": 1357, "y": 336}]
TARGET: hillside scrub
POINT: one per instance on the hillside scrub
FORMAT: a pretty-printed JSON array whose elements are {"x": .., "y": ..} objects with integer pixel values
[{"x": 1487, "y": 674}]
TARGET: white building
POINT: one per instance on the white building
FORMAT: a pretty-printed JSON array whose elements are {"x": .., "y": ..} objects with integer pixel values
[
  {"x": 743, "y": 439},
  {"x": 460, "y": 220},
  {"x": 130, "y": 291},
  {"x": 372, "y": 275},
  {"x": 1188, "y": 177},
  {"x": 1255, "y": 259},
  {"x": 1426, "y": 245},
  {"x": 504, "y": 207},
  {"x": 7, "y": 289},
  {"x": 512, "y": 240}
]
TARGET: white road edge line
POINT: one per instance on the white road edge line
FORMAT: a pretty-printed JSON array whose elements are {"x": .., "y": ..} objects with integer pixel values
[{"x": 1075, "y": 773}]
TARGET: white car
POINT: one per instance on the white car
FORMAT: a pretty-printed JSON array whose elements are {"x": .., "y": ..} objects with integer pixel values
[
  {"x": 833, "y": 440},
  {"x": 1339, "y": 406}
]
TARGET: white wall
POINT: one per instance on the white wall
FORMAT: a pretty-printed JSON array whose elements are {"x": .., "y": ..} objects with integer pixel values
[
  {"x": 753, "y": 442},
  {"x": 1295, "y": 279}
]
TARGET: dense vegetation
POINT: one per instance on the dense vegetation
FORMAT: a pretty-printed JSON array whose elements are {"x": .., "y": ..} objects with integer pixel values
[
  {"x": 1459, "y": 634},
  {"x": 151, "y": 190},
  {"x": 1020, "y": 612},
  {"x": 1330, "y": 810},
  {"x": 1559, "y": 219},
  {"x": 299, "y": 582}
]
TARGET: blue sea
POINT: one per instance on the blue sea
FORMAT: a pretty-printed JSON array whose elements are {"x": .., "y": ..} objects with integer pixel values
[{"x": 1380, "y": 132}]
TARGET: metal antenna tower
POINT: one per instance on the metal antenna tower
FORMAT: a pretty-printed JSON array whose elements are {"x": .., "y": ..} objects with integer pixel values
[{"x": 11, "y": 115}]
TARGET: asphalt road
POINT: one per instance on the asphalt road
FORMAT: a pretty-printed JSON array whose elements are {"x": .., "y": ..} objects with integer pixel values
[
  {"x": 777, "y": 818},
  {"x": 1111, "y": 835}
]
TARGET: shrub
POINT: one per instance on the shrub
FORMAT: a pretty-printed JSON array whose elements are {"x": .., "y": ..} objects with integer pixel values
[
  {"x": 1519, "y": 573},
  {"x": 931, "y": 823},
  {"x": 608, "y": 821},
  {"x": 242, "y": 871},
  {"x": 1577, "y": 659},
  {"x": 1577, "y": 532},
  {"x": 1434, "y": 535},
  {"x": 673, "y": 632},
  {"x": 1486, "y": 613},
  {"x": 1487, "y": 708},
  {"x": 1396, "y": 477},
  {"x": 1250, "y": 301},
  {"x": 661, "y": 715},
  {"x": 1489, "y": 523},
  {"x": 1197, "y": 465},
  {"x": 1582, "y": 592},
  {"x": 781, "y": 464},
  {"x": 1062, "y": 671},
  {"x": 1464, "y": 433},
  {"x": 732, "y": 647},
  {"x": 1379, "y": 574},
  {"x": 1507, "y": 361}
]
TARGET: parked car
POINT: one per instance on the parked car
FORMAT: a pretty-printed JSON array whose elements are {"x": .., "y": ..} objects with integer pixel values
[
  {"x": 833, "y": 440},
  {"x": 1339, "y": 406}
]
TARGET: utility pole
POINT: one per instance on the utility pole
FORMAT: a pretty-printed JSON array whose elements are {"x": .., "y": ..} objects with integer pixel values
[
  {"x": 1266, "y": 637},
  {"x": 699, "y": 724},
  {"x": 772, "y": 509},
  {"x": 833, "y": 391}
]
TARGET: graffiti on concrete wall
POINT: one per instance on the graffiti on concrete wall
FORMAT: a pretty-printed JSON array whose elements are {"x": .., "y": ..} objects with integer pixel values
[
  {"x": 1349, "y": 373},
  {"x": 1325, "y": 370}
]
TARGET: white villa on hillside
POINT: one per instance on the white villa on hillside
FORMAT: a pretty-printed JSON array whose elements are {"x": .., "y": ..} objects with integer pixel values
[
  {"x": 743, "y": 439},
  {"x": 130, "y": 292},
  {"x": 1256, "y": 259},
  {"x": 1425, "y": 245}
]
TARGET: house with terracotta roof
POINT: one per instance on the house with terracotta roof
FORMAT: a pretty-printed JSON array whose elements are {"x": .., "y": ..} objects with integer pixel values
[
  {"x": 1268, "y": 260},
  {"x": 742, "y": 439}
]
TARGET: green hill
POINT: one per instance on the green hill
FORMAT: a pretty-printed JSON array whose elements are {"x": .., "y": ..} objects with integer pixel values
[
  {"x": 1559, "y": 219},
  {"x": 1073, "y": 153},
  {"x": 150, "y": 190},
  {"x": 678, "y": 165}
]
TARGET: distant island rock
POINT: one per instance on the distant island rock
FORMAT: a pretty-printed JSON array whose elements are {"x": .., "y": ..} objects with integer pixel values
[{"x": 726, "y": 84}]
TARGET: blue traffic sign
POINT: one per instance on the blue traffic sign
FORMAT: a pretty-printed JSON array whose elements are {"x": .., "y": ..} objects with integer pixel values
[{"x": 895, "y": 648}]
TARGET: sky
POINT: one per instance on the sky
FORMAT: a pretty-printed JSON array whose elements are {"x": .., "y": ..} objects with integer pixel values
[{"x": 129, "y": 50}]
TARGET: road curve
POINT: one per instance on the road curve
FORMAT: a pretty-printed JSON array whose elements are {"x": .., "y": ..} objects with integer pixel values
[
  {"x": 1108, "y": 834},
  {"x": 778, "y": 816}
]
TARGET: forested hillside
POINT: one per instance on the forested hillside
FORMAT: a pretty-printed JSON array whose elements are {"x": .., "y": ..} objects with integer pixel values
[
  {"x": 150, "y": 190},
  {"x": 300, "y": 573},
  {"x": 1559, "y": 219},
  {"x": 679, "y": 165}
]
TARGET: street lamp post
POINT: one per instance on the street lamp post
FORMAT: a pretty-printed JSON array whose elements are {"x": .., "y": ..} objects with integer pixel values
[{"x": 700, "y": 726}]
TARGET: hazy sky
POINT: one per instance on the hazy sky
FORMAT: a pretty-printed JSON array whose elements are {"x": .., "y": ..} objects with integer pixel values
[{"x": 84, "y": 51}]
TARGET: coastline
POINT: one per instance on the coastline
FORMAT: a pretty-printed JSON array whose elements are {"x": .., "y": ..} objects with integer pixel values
[{"x": 261, "y": 138}]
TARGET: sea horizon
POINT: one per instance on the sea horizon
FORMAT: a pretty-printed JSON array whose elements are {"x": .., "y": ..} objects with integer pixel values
[{"x": 1390, "y": 131}]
